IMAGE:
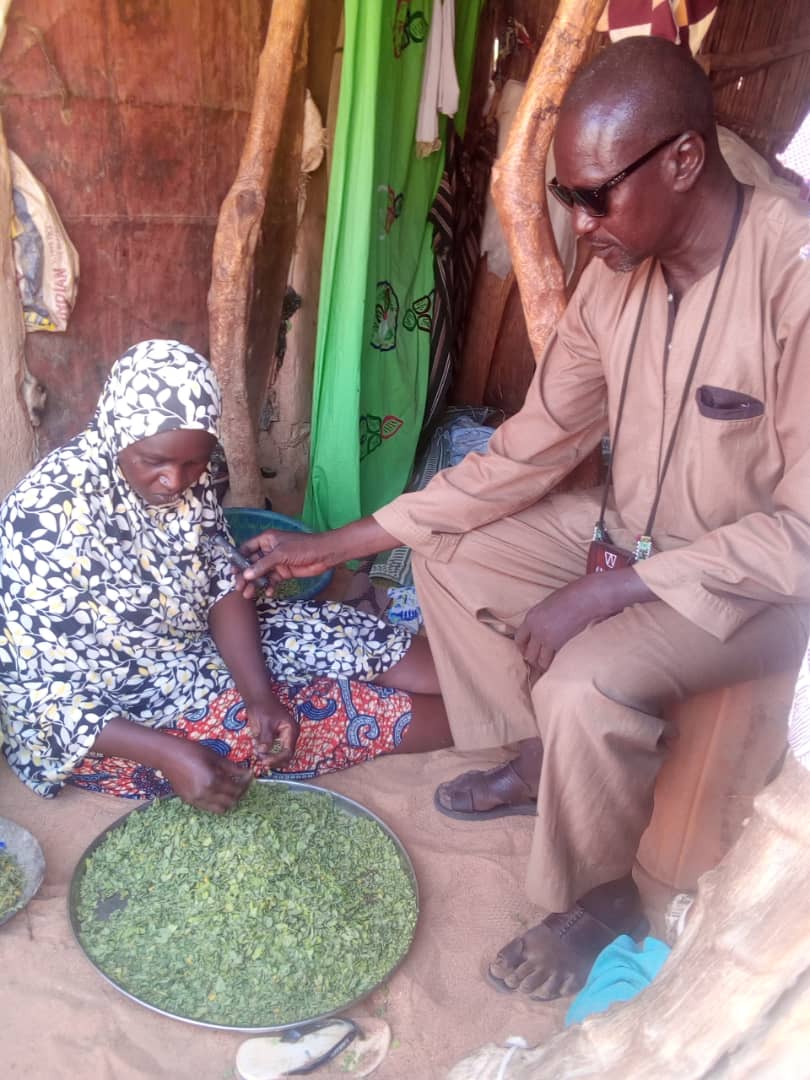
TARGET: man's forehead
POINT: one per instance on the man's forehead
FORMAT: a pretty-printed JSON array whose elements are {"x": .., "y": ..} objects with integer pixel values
[{"x": 592, "y": 139}]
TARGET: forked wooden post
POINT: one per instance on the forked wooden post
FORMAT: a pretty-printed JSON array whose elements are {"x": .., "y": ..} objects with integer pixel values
[
  {"x": 237, "y": 235},
  {"x": 518, "y": 185}
]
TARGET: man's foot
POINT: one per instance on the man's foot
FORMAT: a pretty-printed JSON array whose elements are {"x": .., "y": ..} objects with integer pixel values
[
  {"x": 553, "y": 959},
  {"x": 483, "y": 794}
]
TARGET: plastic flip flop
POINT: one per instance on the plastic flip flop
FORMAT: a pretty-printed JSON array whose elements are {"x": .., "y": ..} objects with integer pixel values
[{"x": 295, "y": 1053}]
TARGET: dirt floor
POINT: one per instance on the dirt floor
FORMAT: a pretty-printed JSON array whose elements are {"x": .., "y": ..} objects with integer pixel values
[{"x": 61, "y": 1020}]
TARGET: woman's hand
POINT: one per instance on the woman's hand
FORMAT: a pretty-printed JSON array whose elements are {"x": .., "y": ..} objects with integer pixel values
[
  {"x": 197, "y": 773},
  {"x": 272, "y": 726},
  {"x": 200, "y": 777},
  {"x": 234, "y": 627}
]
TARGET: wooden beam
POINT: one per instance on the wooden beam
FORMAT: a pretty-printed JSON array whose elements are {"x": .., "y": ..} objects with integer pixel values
[
  {"x": 518, "y": 185},
  {"x": 754, "y": 58},
  {"x": 235, "y": 243}
]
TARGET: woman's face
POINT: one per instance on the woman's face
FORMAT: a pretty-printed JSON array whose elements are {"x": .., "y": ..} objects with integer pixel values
[{"x": 163, "y": 466}]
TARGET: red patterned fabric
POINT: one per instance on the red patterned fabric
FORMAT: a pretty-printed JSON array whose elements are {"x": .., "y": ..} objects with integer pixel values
[
  {"x": 682, "y": 21},
  {"x": 342, "y": 722}
]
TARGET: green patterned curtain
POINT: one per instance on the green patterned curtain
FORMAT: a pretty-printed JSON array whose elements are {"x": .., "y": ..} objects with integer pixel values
[{"x": 374, "y": 316}]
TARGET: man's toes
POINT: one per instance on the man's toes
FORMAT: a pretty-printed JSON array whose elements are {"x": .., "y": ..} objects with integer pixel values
[
  {"x": 443, "y": 796},
  {"x": 549, "y": 985},
  {"x": 527, "y": 977},
  {"x": 508, "y": 959},
  {"x": 553, "y": 959}
]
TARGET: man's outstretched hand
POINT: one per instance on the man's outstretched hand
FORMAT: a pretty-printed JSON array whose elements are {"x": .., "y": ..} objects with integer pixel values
[
  {"x": 565, "y": 613},
  {"x": 282, "y": 555}
]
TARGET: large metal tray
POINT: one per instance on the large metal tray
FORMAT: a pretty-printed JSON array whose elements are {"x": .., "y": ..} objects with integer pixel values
[{"x": 354, "y": 809}]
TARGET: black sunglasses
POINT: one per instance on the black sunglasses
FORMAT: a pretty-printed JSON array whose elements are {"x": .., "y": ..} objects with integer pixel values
[{"x": 594, "y": 200}]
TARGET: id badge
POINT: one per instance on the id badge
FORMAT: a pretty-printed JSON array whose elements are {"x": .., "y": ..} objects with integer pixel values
[{"x": 603, "y": 557}]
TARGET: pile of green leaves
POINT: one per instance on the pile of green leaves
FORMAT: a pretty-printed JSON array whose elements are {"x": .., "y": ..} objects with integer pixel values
[
  {"x": 282, "y": 909},
  {"x": 287, "y": 590},
  {"x": 12, "y": 882}
]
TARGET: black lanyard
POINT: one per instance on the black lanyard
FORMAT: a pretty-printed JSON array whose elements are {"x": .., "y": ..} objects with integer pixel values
[{"x": 644, "y": 542}]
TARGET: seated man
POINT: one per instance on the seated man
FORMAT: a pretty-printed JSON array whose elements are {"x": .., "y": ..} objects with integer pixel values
[{"x": 685, "y": 338}]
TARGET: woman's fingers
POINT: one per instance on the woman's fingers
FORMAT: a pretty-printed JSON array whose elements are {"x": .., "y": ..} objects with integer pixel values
[
  {"x": 287, "y": 735},
  {"x": 228, "y": 787}
]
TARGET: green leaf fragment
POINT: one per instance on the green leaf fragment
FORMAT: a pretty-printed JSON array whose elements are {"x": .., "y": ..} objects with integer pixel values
[
  {"x": 282, "y": 909},
  {"x": 12, "y": 883}
]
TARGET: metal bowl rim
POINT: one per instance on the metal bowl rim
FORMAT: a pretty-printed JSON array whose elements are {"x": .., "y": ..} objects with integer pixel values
[
  {"x": 297, "y": 785},
  {"x": 32, "y": 880}
]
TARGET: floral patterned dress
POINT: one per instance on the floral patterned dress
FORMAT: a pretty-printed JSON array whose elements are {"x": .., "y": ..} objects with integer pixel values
[{"x": 104, "y": 599}]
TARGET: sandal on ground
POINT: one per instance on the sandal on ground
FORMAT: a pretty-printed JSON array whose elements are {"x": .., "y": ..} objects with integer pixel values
[
  {"x": 503, "y": 783},
  {"x": 553, "y": 959},
  {"x": 357, "y": 1048}
]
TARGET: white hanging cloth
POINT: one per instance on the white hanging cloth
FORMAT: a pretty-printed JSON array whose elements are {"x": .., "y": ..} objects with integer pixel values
[{"x": 439, "y": 80}]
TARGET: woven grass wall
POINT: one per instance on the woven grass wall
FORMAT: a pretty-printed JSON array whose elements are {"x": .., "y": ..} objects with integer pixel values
[{"x": 767, "y": 105}]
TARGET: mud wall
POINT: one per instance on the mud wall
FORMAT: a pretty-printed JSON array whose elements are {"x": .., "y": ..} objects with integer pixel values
[{"x": 132, "y": 113}]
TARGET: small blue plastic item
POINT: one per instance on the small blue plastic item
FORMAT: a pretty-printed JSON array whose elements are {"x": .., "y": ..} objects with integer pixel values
[
  {"x": 246, "y": 521},
  {"x": 620, "y": 972}
]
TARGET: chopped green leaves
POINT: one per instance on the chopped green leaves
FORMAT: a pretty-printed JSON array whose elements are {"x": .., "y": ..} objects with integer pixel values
[
  {"x": 286, "y": 590},
  {"x": 282, "y": 909},
  {"x": 12, "y": 882}
]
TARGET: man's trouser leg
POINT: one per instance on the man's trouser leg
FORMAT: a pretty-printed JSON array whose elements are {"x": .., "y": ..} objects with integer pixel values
[
  {"x": 599, "y": 709},
  {"x": 474, "y": 603}
]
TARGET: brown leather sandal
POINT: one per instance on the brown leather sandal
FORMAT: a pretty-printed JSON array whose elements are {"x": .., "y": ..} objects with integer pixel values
[
  {"x": 502, "y": 782},
  {"x": 553, "y": 959}
]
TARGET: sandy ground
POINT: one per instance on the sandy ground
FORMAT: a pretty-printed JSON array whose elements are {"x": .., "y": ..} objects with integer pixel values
[{"x": 61, "y": 1020}]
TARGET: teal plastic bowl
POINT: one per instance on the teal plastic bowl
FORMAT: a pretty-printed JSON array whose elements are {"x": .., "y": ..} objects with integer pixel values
[{"x": 244, "y": 522}]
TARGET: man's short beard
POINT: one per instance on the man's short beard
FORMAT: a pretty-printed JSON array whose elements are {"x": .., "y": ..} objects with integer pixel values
[{"x": 627, "y": 263}]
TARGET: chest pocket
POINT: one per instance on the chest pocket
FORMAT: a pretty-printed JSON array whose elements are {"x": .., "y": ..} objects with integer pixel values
[{"x": 717, "y": 403}]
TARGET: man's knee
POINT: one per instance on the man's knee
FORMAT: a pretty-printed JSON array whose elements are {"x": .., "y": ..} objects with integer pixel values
[{"x": 588, "y": 675}]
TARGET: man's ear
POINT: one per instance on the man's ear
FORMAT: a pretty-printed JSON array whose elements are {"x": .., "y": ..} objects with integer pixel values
[{"x": 687, "y": 159}]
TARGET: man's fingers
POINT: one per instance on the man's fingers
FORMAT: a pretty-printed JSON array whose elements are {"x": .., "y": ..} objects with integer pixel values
[
  {"x": 543, "y": 661},
  {"x": 261, "y": 544},
  {"x": 262, "y": 567},
  {"x": 531, "y": 650}
]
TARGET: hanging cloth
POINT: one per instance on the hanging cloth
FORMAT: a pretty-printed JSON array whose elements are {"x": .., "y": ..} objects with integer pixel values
[
  {"x": 376, "y": 304},
  {"x": 440, "y": 90},
  {"x": 684, "y": 22},
  {"x": 457, "y": 215}
]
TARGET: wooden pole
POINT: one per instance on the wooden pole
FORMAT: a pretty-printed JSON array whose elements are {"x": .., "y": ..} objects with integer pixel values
[
  {"x": 237, "y": 235},
  {"x": 518, "y": 185}
]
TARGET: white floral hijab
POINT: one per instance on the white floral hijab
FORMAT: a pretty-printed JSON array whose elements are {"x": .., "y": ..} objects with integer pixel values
[{"x": 97, "y": 588}]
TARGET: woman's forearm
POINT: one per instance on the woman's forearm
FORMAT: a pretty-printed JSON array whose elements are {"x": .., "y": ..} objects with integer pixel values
[
  {"x": 124, "y": 738},
  {"x": 234, "y": 626}
]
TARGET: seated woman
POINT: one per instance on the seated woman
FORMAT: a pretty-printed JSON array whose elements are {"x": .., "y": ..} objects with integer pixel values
[{"x": 130, "y": 664}]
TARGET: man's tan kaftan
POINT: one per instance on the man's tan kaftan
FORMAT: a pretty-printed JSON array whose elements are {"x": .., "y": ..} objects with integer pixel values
[{"x": 731, "y": 560}]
